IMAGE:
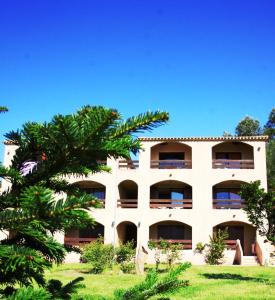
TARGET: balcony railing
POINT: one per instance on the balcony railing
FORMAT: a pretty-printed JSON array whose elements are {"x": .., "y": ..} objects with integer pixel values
[
  {"x": 186, "y": 244},
  {"x": 228, "y": 203},
  {"x": 76, "y": 241},
  {"x": 233, "y": 164},
  {"x": 127, "y": 203},
  {"x": 230, "y": 244},
  {"x": 171, "y": 203},
  {"x": 171, "y": 164},
  {"x": 128, "y": 164}
]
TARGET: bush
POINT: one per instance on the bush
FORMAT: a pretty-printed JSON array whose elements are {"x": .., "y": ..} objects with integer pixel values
[
  {"x": 124, "y": 255},
  {"x": 125, "y": 252},
  {"x": 127, "y": 267},
  {"x": 99, "y": 255},
  {"x": 216, "y": 247},
  {"x": 200, "y": 247},
  {"x": 171, "y": 250}
]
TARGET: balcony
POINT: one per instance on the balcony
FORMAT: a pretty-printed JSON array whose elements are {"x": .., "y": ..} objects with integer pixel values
[
  {"x": 226, "y": 195},
  {"x": 171, "y": 203},
  {"x": 81, "y": 237},
  {"x": 127, "y": 203},
  {"x": 94, "y": 188},
  {"x": 186, "y": 244},
  {"x": 171, "y": 155},
  {"x": 228, "y": 203},
  {"x": 171, "y": 164},
  {"x": 128, "y": 193},
  {"x": 128, "y": 164},
  {"x": 233, "y": 164},
  {"x": 232, "y": 155},
  {"x": 77, "y": 241},
  {"x": 171, "y": 194},
  {"x": 172, "y": 232}
]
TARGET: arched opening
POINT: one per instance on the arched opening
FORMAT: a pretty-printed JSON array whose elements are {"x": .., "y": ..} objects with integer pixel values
[
  {"x": 127, "y": 232},
  {"x": 244, "y": 232},
  {"x": 78, "y": 237},
  {"x": 94, "y": 188},
  {"x": 128, "y": 194},
  {"x": 226, "y": 195},
  {"x": 232, "y": 155},
  {"x": 171, "y": 155},
  {"x": 171, "y": 194},
  {"x": 172, "y": 231}
]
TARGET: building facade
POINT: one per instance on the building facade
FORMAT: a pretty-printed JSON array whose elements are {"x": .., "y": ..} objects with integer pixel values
[{"x": 181, "y": 190}]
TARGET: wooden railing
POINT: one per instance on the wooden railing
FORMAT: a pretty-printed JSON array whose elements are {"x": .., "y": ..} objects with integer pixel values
[
  {"x": 76, "y": 241},
  {"x": 171, "y": 203},
  {"x": 228, "y": 203},
  {"x": 128, "y": 164},
  {"x": 233, "y": 164},
  {"x": 127, "y": 203},
  {"x": 230, "y": 244},
  {"x": 171, "y": 164},
  {"x": 186, "y": 244}
]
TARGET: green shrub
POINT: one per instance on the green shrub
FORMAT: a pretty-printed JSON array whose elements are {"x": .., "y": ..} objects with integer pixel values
[
  {"x": 125, "y": 252},
  {"x": 99, "y": 255},
  {"x": 171, "y": 251},
  {"x": 216, "y": 248},
  {"x": 127, "y": 267},
  {"x": 200, "y": 247}
]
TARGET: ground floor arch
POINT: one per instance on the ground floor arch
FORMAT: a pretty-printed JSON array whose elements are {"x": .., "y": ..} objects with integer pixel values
[
  {"x": 244, "y": 232},
  {"x": 173, "y": 231},
  {"x": 127, "y": 232},
  {"x": 78, "y": 237}
]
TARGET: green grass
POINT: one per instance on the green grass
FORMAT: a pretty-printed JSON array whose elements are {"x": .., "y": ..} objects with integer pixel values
[{"x": 206, "y": 282}]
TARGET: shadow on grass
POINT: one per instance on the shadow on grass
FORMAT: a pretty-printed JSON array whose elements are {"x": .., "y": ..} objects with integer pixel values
[{"x": 237, "y": 277}]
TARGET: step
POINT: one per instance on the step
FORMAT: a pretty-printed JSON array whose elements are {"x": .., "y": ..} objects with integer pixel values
[{"x": 250, "y": 261}]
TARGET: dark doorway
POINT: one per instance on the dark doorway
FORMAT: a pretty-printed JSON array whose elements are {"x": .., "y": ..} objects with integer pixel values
[
  {"x": 130, "y": 234},
  {"x": 235, "y": 233}
]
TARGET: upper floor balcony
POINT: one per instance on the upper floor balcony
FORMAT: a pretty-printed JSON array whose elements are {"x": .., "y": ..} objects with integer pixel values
[
  {"x": 94, "y": 188},
  {"x": 128, "y": 194},
  {"x": 226, "y": 195},
  {"x": 232, "y": 155},
  {"x": 172, "y": 155},
  {"x": 171, "y": 194}
]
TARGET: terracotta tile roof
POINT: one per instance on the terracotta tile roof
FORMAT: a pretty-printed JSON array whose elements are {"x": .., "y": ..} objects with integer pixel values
[
  {"x": 205, "y": 139},
  {"x": 194, "y": 139}
]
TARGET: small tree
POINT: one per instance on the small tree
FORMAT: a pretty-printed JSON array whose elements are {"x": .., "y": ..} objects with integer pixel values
[
  {"x": 124, "y": 255},
  {"x": 216, "y": 248},
  {"x": 170, "y": 250},
  {"x": 260, "y": 209},
  {"x": 247, "y": 127},
  {"x": 153, "y": 245}
]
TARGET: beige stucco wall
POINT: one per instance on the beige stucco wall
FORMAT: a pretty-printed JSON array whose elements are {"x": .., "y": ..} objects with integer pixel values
[{"x": 202, "y": 177}]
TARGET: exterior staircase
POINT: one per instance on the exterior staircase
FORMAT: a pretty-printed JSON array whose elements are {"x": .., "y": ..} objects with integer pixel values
[{"x": 250, "y": 261}]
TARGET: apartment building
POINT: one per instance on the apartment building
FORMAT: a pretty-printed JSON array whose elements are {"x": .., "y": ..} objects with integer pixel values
[{"x": 181, "y": 190}]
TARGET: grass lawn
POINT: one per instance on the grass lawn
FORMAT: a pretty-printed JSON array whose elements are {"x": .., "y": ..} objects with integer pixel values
[{"x": 206, "y": 282}]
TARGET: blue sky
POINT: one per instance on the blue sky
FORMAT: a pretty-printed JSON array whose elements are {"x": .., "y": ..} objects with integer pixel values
[{"x": 208, "y": 63}]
